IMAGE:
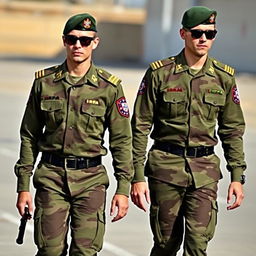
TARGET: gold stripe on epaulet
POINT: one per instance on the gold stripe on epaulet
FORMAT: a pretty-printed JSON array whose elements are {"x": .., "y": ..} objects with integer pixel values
[
  {"x": 156, "y": 64},
  {"x": 39, "y": 74},
  {"x": 229, "y": 70},
  {"x": 113, "y": 79}
]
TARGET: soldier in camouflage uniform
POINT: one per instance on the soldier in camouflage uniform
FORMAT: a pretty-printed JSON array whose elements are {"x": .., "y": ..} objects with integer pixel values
[
  {"x": 182, "y": 98},
  {"x": 69, "y": 109}
]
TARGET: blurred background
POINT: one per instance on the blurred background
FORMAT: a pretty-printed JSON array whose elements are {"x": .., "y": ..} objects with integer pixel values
[
  {"x": 133, "y": 33},
  {"x": 130, "y": 30}
]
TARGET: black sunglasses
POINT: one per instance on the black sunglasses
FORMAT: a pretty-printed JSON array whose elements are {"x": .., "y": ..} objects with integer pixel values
[
  {"x": 84, "y": 40},
  {"x": 197, "y": 33}
]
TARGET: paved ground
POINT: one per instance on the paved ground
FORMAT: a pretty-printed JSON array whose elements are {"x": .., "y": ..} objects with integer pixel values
[{"x": 235, "y": 234}]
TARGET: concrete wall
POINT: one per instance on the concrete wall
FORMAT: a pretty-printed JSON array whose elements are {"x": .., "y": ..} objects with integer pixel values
[
  {"x": 235, "y": 40},
  {"x": 34, "y": 29}
]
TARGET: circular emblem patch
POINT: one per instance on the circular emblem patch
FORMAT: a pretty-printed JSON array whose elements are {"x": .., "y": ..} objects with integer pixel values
[
  {"x": 142, "y": 87},
  {"x": 235, "y": 95},
  {"x": 122, "y": 107}
]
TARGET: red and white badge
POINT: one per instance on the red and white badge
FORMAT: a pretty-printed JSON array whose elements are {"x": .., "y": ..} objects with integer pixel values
[
  {"x": 142, "y": 87},
  {"x": 122, "y": 107},
  {"x": 235, "y": 95}
]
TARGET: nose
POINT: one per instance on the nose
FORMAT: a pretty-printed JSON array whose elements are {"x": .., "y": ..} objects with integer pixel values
[
  {"x": 78, "y": 44},
  {"x": 203, "y": 37}
]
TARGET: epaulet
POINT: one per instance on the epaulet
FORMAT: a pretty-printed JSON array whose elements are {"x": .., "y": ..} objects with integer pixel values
[
  {"x": 161, "y": 63},
  {"x": 224, "y": 67},
  {"x": 108, "y": 77},
  {"x": 45, "y": 72}
]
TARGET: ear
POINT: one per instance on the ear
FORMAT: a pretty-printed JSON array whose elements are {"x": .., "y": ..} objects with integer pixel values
[
  {"x": 182, "y": 33},
  {"x": 95, "y": 42}
]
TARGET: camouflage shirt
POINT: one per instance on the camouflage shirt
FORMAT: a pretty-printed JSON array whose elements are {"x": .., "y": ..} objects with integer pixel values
[
  {"x": 71, "y": 119},
  {"x": 183, "y": 108}
]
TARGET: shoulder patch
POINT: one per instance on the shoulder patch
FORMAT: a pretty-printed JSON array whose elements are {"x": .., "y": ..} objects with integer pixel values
[
  {"x": 45, "y": 72},
  {"x": 109, "y": 77},
  {"x": 160, "y": 63},
  {"x": 224, "y": 67}
]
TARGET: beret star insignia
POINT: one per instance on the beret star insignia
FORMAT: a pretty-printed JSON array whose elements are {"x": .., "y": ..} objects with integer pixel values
[{"x": 87, "y": 23}]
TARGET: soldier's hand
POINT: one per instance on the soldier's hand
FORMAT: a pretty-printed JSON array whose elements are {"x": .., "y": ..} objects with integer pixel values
[
  {"x": 140, "y": 191},
  {"x": 24, "y": 199},
  {"x": 236, "y": 189},
  {"x": 121, "y": 203}
]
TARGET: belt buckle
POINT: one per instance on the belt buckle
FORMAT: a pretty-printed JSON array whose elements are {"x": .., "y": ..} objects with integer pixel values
[
  {"x": 87, "y": 163},
  {"x": 66, "y": 159},
  {"x": 192, "y": 150}
]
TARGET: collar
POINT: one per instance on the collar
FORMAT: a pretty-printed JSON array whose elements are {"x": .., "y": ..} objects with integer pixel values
[
  {"x": 181, "y": 65},
  {"x": 90, "y": 76}
]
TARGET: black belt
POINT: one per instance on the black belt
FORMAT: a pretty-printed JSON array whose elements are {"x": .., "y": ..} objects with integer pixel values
[
  {"x": 182, "y": 151},
  {"x": 71, "y": 162}
]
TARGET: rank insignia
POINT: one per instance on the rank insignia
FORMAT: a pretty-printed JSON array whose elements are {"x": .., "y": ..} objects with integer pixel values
[
  {"x": 58, "y": 75},
  {"x": 94, "y": 78},
  {"x": 122, "y": 107},
  {"x": 87, "y": 23},
  {"x": 179, "y": 67},
  {"x": 235, "y": 95},
  {"x": 142, "y": 87}
]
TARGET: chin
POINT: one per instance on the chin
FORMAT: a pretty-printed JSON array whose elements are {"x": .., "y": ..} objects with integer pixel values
[
  {"x": 201, "y": 53},
  {"x": 78, "y": 59}
]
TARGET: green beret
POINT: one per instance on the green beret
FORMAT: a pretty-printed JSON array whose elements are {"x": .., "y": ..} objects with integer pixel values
[
  {"x": 197, "y": 15},
  {"x": 83, "y": 21}
]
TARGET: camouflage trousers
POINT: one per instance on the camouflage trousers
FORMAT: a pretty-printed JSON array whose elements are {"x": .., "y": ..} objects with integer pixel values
[
  {"x": 182, "y": 213},
  {"x": 72, "y": 199}
]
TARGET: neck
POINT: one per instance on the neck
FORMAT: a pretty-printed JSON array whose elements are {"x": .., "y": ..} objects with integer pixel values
[
  {"x": 78, "y": 69},
  {"x": 196, "y": 62}
]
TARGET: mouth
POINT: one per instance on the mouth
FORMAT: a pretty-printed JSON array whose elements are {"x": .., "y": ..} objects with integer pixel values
[
  {"x": 201, "y": 46},
  {"x": 77, "y": 53}
]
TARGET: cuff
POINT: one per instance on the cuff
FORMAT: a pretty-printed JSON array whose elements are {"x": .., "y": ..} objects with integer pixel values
[
  {"x": 123, "y": 187},
  {"x": 236, "y": 174},
  {"x": 23, "y": 183},
  {"x": 139, "y": 175}
]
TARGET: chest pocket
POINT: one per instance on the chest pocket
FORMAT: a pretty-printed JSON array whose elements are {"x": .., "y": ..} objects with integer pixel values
[
  {"x": 174, "y": 104},
  {"x": 51, "y": 105},
  {"x": 53, "y": 113},
  {"x": 93, "y": 117},
  {"x": 214, "y": 103}
]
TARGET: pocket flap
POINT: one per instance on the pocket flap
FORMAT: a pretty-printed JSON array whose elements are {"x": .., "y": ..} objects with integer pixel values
[
  {"x": 214, "y": 99},
  {"x": 93, "y": 110},
  {"x": 51, "y": 105},
  {"x": 174, "y": 97}
]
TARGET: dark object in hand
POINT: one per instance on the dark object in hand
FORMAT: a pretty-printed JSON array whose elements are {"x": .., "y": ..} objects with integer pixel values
[{"x": 22, "y": 227}]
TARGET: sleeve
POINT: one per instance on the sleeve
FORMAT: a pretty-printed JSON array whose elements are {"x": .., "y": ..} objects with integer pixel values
[
  {"x": 142, "y": 122},
  {"x": 231, "y": 129},
  {"x": 30, "y": 132},
  {"x": 120, "y": 142}
]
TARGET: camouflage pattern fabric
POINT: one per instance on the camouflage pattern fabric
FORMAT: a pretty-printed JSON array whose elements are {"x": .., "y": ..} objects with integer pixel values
[
  {"x": 68, "y": 117},
  {"x": 169, "y": 205},
  {"x": 70, "y": 120},
  {"x": 66, "y": 196},
  {"x": 183, "y": 109},
  {"x": 187, "y": 109}
]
